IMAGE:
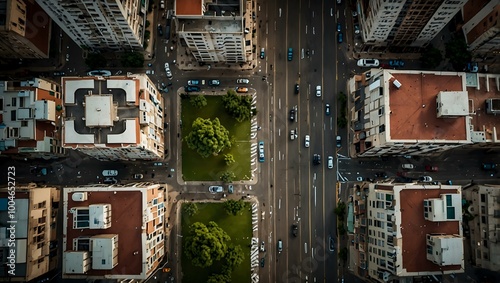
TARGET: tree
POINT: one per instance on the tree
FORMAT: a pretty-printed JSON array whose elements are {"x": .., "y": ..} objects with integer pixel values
[
  {"x": 227, "y": 177},
  {"x": 229, "y": 158},
  {"x": 238, "y": 106},
  {"x": 343, "y": 254},
  {"x": 431, "y": 57},
  {"x": 190, "y": 208},
  {"x": 456, "y": 51},
  {"x": 198, "y": 101},
  {"x": 234, "y": 206},
  {"x": 205, "y": 244},
  {"x": 234, "y": 257},
  {"x": 132, "y": 59},
  {"x": 340, "y": 210},
  {"x": 95, "y": 60},
  {"x": 208, "y": 137},
  {"x": 219, "y": 278}
]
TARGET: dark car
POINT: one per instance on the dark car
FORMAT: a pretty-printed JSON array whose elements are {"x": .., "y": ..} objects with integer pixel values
[
  {"x": 340, "y": 37},
  {"x": 191, "y": 88},
  {"x": 327, "y": 109},
  {"x": 160, "y": 30},
  {"x": 213, "y": 82},
  {"x": 292, "y": 115},
  {"x": 381, "y": 175},
  {"x": 430, "y": 168},
  {"x": 262, "y": 53},
  {"x": 262, "y": 262},
  {"x": 290, "y": 54},
  {"x": 339, "y": 26},
  {"x": 339, "y": 141},
  {"x": 396, "y": 63},
  {"x": 296, "y": 88},
  {"x": 295, "y": 230},
  {"x": 489, "y": 166},
  {"x": 316, "y": 159}
]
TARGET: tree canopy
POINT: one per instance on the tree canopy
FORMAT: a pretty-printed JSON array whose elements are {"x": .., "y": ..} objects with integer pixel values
[
  {"x": 205, "y": 244},
  {"x": 219, "y": 278},
  {"x": 198, "y": 101},
  {"x": 234, "y": 206},
  {"x": 132, "y": 59},
  {"x": 431, "y": 57},
  {"x": 95, "y": 61},
  {"x": 190, "y": 208},
  {"x": 227, "y": 176},
  {"x": 234, "y": 257},
  {"x": 208, "y": 137},
  {"x": 456, "y": 51},
  {"x": 238, "y": 106}
]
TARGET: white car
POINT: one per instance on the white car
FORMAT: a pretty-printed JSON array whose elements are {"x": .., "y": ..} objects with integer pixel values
[
  {"x": 167, "y": 67},
  {"x": 242, "y": 81},
  {"x": 318, "y": 91},
  {"x": 110, "y": 173},
  {"x": 330, "y": 162},
  {"x": 368, "y": 63},
  {"x": 215, "y": 189},
  {"x": 307, "y": 141},
  {"x": 426, "y": 179}
]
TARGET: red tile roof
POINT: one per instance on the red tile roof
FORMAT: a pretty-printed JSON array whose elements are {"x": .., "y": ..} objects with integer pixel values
[{"x": 188, "y": 7}]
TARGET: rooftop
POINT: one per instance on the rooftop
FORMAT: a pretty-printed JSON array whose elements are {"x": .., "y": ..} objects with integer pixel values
[
  {"x": 212, "y": 8},
  {"x": 210, "y": 26}
]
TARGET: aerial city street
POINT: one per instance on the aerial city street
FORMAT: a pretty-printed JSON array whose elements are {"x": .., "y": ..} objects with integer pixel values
[{"x": 250, "y": 141}]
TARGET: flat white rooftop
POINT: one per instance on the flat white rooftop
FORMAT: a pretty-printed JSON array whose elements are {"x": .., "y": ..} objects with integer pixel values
[{"x": 99, "y": 110}]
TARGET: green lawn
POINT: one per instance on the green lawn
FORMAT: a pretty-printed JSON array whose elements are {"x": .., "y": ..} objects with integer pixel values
[
  {"x": 239, "y": 228},
  {"x": 196, "y": 168}
]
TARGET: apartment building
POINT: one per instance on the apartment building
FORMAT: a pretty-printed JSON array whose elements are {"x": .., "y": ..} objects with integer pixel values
[
  {"x": 28, "y": 232},
  {"x": 113, "y": 232},
  {"x": 387, "y": 216},
  {"x": 403, "y": 25},
  {"x": 30, "y": 119},
  {"x": 481, "y": 28},
  {"x": 114, "y": 118},
  {"x": 484, "y": 226},
  {"x": 399, "y": 112},
  {"x": 215, "y": 32},
  {"x": 24, "y": 30},
  {"x": 101, "y": 25}
]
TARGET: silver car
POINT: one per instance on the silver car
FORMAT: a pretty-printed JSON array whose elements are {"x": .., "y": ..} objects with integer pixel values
[
  {"x": 306, "y": 141},
  {"x": 242, "y": 81},
  {"x": 318, "y": 91}
]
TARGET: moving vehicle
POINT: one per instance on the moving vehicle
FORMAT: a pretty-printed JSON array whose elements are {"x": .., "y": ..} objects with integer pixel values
[
  {"x": 340, "y": 37},
  {"x": 292, "y": 114},
  {"x": 138, "y": 176},
  {"x": 426, "y": 179},
  {"x": 167, "y": 70},
  {"x": 242, "y": 89},
  {"x": 306, "y": 141},
  {"x": 327, "y": 109},
  {"x": 430, "y": 168},
  {"x": 158, "y": 164},
  {"x": 296, "y": 88},
  {"x": 356, "y": 29},
  {"x": 262, "y": 262},
  {"x": 160, "y": 30},
  {"x": 330, "y": 162},
  {"x": 213, "y": 82},
  {"x": 150, "y": 72},
  {"x": 262, "y": 53},
  {"x": 190, "y": 88},
  {"x": 109, "y": 173},
  {"x": 295, "y": 230},
  {"x": 338, "y": 139},
  {"x": 242, "y": 81},
  {"x": 318, "y": 91},
  {"x": 368, "y": 63},
  {"x": 262, "y": 246},
  {"x": 261, "y": 151},
  {"x": 316, "y": 159},
  {"x": 293, "y": 135},
  {"x": 215, "y": 189},
  {"x": 339, "y": 26},
  {"x": 407, "y": 166},
  {"x": 382, "y": 175},
  {"x": 280, "y": 246},
  {"x": 331, "y": 244},
  {"x": 488, "y": 166},
  {"x": 290, "y": 54}
]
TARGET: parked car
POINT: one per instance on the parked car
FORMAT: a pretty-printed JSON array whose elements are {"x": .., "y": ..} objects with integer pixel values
[
  {"x": 167, "y": 70},
  {"x": 472, "y": 67},
  {"x": 138, "y": 176},
  {"x": 339, "y": 26},
  {"x": 280, "y": 246},
  {"x": 261, "y": 151},
  {"x": 293, "y": 134},
  {"x": 396, "y": 63},
  {"x": 327, "y": 109},
  {"x": 242, "y": 89},
  {"x": 488, "y": 166},
  {"x": 158, "y": 164},
  {"x": 295, "y": 230},
  {"x": 407, "y": 166},
  {"x": 104, "y": 73},
  {"x": 296, "y": 88},
  {"x": 57, "y": 74},
  {"x": 292, "y": 114},
  {"x": 230, "y": 189},
  {"x": 316, "y": 159},
  {"x": 340, "y": 37},
  {"x": 382, "y": 175},
  {"x": 426, "y": 179},
  {"x": 262, "y": 262},
  {"x": 160, "y": 30},
  {"x": 262, "y": 246},
  {"x": 318, "y": 91},
  {"x": 331, "y": 243},
  {"x": 190, "y": 88},
  {"x": 109, "y": 173},
  {"x": 368, "y": 62},
  {"x": 262, "y": 53},
  {"x": 191, "y": 82},
  {"x": 338, "y": 139},
  {"x": 215, "y": 189},
  {"x": 356, "y": 29},
  {"x": 430, "y": 168},
  {"x": 290, "y": 54},
  {"x": 150, "y": 72},
  {"x": 306, "y": 141},
  {"x": 330, "y": 162},
  {"x": 242, "y": 81},
  {"x": 213, "y": 82}
]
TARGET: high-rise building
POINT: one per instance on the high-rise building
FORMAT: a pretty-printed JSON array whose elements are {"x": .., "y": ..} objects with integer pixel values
[
  {"x": 113, "y": 232},
  {"x": 216, "y": 32},
  {"x": 24, "y": 30},
  {"x": 403, "y": 24},
  {"x": 407, "y": 230},
  {"x": 484, "y": 225},
  {"x": 107, "y": 24},
  {"x": 30, "y": 119},
  {"x": 28, "y": 238},
  {"x": 482, "y": 29},
  {"x": 114, "y": 118},
  {"x": 400, "y": 112}
]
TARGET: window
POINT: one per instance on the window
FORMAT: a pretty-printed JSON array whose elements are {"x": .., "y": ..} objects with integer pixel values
[
  {"x": 14, "y": 101},
  {"x": 483, "y": 198}
]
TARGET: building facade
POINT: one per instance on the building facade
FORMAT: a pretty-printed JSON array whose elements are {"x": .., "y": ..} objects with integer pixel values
[
  {"x": 114, "y": 232},
  {"x": 24, "y": 30},
  {"x": 114, "y": 118},
  {"x": 402, "y": 25},
  {"x": 398, "y": 112},
  {"x": 484, "y": 226},
  {"x": 391, "y": 250},
  {"x": 214, "y": 32},
  {"x": 28, "y": 215},
  {"x": 30, "y": 119},
  {"x": 101, "y": 25}
]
